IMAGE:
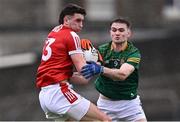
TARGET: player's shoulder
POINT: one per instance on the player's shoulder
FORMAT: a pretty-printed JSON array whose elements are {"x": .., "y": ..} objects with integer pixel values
[
  {"x": 68, "y": 33},
  {"x": 104, "y": 46},
  {"x": 132, "y": 47},
  {"x": 57, "y": 28},
  {"x": 133, "y": 50},
  {"x": 62, "y": 29},
  {"x": 55, "y": 31}
]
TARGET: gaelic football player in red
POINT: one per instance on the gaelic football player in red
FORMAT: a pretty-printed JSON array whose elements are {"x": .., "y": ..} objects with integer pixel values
[{"x": 62, "y": 51}]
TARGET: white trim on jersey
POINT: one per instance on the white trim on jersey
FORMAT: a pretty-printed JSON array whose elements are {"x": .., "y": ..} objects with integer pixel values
[
  {"x": 75, "y": 51},
  {"x": 76, "y": 40},
  {"x": 57, "y": 28}
]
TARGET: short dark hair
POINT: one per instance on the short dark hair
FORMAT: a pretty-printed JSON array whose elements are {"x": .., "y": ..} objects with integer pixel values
[
  {"x": 70, "y": 9},
  {"x": 121, "y": 20}
]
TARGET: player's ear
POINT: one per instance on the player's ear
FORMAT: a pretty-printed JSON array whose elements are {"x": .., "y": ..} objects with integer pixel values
[
  {"x": 66, "y": 19},
  {"x": 129, "y": 33}
]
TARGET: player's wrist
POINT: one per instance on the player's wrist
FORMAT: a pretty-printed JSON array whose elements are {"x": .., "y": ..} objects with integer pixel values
[{"x": 102, "y": 70}]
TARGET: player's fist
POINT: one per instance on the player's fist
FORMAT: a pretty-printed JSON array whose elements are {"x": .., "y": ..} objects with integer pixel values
[{"x": 91, "y": 69}]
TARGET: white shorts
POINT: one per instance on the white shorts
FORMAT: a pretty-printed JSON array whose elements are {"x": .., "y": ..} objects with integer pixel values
[
  {"x": 122, "y": 110},
  {"x": 60, "y": 102}
]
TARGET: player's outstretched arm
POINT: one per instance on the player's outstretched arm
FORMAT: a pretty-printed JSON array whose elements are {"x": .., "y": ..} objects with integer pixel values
[
  {"x": 93, "y": 68},
  {"x": 119, "y": 74}
]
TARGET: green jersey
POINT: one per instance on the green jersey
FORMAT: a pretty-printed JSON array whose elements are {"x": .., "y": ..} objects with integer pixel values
[{"x": 119, "y": 90}]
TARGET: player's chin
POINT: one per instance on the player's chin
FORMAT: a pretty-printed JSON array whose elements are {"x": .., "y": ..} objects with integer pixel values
[
  {"x": 78, "y": 29},
  {"x": 119, "y": 41}
]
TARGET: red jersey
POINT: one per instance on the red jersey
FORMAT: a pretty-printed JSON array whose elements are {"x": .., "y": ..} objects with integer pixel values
[{"x": 56, "y": 64}]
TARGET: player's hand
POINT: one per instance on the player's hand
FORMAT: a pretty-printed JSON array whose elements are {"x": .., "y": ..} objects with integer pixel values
[{"x": 91, "y": 69}]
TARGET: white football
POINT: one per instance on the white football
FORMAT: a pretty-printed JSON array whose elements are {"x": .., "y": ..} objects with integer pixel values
[{"x": 91, "y": 54}]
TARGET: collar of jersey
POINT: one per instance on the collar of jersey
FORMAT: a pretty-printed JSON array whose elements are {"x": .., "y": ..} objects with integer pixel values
[
  {"x": 65, "y": 27},
  {"x": 123, "y": 48}
]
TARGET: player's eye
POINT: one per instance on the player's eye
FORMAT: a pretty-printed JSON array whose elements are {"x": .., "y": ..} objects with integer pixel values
[
  {"x": 113, "y": 29},
  {"x": 117, "y": 29},
  {"x": 121, "y": 29},
  {"x": 79, "y": 20}
]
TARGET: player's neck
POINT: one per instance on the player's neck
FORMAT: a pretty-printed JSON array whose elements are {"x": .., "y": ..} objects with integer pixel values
[
  {"x": 66, "y": 25},
  {"x": 117, "y": 47}
]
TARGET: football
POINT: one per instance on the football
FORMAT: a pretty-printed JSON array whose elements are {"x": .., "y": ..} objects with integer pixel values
[{"x": 90, "y": 52}]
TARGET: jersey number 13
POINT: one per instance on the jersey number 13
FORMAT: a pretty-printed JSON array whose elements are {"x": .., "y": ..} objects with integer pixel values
[{"x": 47, "y": 51}]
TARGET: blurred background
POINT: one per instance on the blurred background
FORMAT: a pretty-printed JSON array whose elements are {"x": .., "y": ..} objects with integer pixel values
[{"x": 24, "y": 24}]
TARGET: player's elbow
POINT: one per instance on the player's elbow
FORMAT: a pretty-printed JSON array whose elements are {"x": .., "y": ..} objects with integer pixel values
[
  {"x": 123, "y": 77},
  {"x": 120, "y": 77}
]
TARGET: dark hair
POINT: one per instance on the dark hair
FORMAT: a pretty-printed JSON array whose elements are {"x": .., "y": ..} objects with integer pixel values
[
  {"x": 70, "y": 9},
  {"x": 121, "y": 20}
]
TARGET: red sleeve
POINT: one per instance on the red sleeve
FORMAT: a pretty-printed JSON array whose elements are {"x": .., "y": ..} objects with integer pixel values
[{"x": 73, "y": 43}]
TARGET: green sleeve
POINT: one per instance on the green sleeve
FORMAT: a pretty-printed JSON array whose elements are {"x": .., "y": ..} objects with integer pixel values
[{"x": 134, "y": 59}]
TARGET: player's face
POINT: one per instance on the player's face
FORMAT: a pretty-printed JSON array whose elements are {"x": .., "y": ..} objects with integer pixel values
[
  {"x": 76, "y": 22},
  {"x": 119, "y": 32}
]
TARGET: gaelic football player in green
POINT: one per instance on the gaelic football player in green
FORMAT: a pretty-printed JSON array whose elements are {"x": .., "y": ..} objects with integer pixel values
[{"x": 118, "y": 75}]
